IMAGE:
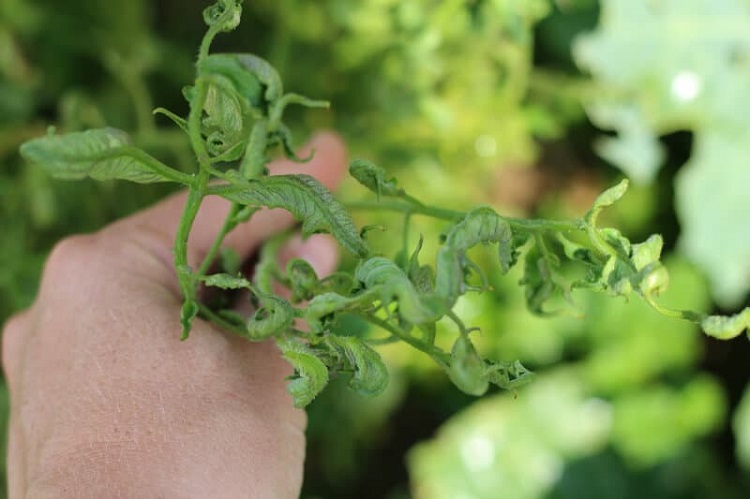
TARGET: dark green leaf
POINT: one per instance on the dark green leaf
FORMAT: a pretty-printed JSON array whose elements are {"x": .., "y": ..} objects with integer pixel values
[
  {"x": 303, "y": 281},
  {"x": 303, "y": 196}
]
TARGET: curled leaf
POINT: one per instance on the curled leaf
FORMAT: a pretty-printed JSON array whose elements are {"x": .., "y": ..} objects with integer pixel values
[
  {"x": 373, "y": 177},
  {"x": 480, "y": 225},
  {"x": 224, "y": 14},
  {"x": 303, "y": 280},
  {"x": 370, "y": 376},
  {"x": 727, "y": 327},
  {"x": 310, "y": 374},
  {"x": 509, "y": 375},
  {"x": 325, "y": 304},
  {"x": 653, "y": 279},
  {"x": 467, "y": 370},
  {"x": 226, "y": 281},
  {"x": 605, "y": 199},
  {"x": 265, "y": 73},
  {"x": 275, "y": 316},
  {"x": 392, "y": 283},
  {"x": 230, "y": 68}
]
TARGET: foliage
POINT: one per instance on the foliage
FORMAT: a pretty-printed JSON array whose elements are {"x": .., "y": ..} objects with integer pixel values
[
  {"x": 686, "y": 69},
  {"x": 474, "y": 73},
  {"x": 235, "y": 120}
]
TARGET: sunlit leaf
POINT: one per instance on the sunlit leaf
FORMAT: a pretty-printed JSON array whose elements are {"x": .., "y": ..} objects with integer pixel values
[{"x": 727, "y": 327}]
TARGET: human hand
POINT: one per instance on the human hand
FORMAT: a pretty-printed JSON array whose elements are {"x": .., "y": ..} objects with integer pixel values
[{"x": 106, "y": 401}]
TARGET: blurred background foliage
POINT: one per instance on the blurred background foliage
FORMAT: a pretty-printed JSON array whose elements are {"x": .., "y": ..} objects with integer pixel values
[{"x": 532, "y": 106}]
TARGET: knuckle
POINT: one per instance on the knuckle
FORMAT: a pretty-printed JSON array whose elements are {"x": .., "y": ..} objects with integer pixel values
[
  {"x": 68, "y": 260},
  {"x": 12, "y": 334},
  {"x": 70, "y": 250},
  {"x": 143, "y": 243}
]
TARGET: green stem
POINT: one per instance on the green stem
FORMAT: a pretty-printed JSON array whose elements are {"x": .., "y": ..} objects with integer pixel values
[
  {"x": 230, "y": 222},
  {"x": 452, "y": 215},
  {"x": 156, "y": 165},
  {"x": 184, "y": 274},
  {"x": 670, "y": 312},
  {"x": 405, "y": 207},
  {"x": 215, "y": 318},
  {"x": 440, "y": 357}
]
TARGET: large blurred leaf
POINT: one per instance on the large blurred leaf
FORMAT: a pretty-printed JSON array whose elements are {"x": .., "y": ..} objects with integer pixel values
[
  {"x": 501, "y": 447},
  {"x": 682, "y": 65},
  {"x": 741, "y": 424}
]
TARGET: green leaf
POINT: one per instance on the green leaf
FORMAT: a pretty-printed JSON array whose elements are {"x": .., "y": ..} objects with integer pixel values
[
  {"x": 727, "y": 327},
  {"x": 370, "y": 374},
  {"x": 467, "y": 369},
  {"x": 303, "y": 196},
  {"x": 265, "y": 73},
  {"x": 538, "y": 281},
  {"x": 325, "y": 304},
  {"x": 392, "y": 283},
  {"x": 303, "y": 281},
  {"x": 481, "y": 225},
  {"x": 647, "y": 252},
  {"x": 228, "y": 66},
  {"x": 509, "y": 375},
  {"x": 188, "y": 312},
  {"x": 605, "y": 199},
  {"x": 373, "y": 177},
  {"x": 177, "y": 120},
  {"x": 275, "y": 316},
  {"x": 101, "y": 154},
  {"x": 226, "y": 281},
  {"x": 712, "y": 204},
  {"x": 223, "y": 123},
  {"x": 223, "y": 15},
  {"x": 310, "y": 374},
  {"x": 670, "y": 78},
  {"x": 741, "y": 426}
]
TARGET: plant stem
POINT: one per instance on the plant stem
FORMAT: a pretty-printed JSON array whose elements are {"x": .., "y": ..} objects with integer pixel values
[
  {"x": 230, "y": 222},
  {"x": 452, "y": 215},
  {"x": 215, "y": 318},
  {"x": 159, "y": 167},
  {"x": 440, "y": 357},
  {"x": 405, "y": 207}
]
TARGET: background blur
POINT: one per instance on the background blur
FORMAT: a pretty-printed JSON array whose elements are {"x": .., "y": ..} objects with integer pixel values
[{"x": 532, "y": 106}]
